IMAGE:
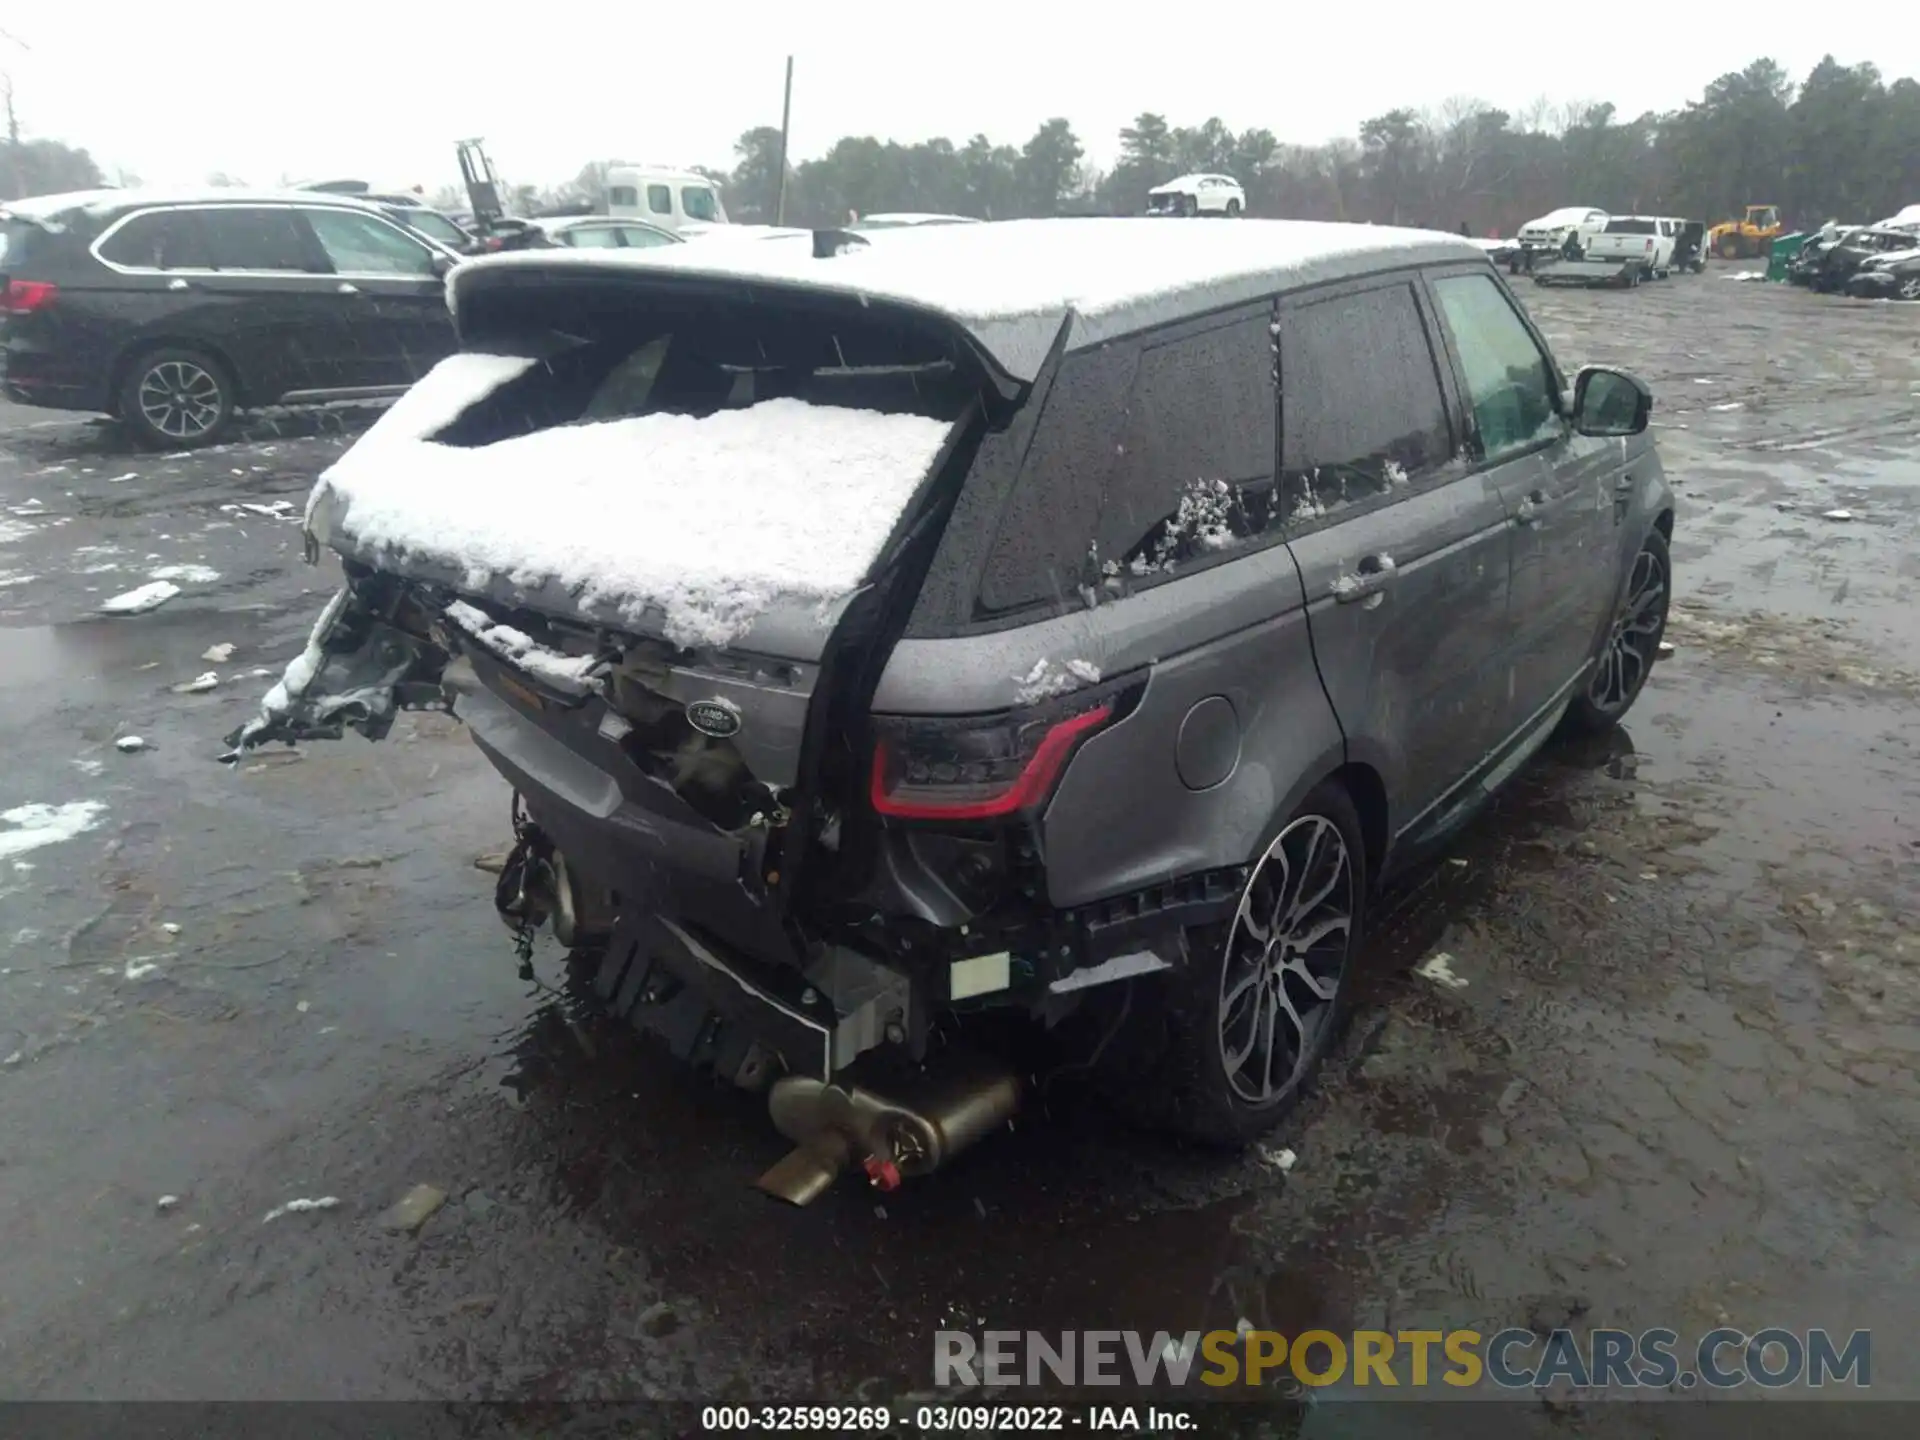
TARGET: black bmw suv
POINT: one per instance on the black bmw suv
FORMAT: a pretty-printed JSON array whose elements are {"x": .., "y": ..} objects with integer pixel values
[{"x": 173, "y": 312}]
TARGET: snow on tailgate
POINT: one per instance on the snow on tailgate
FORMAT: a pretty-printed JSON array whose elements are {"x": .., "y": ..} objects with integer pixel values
[{"x": 708, "y": 519}]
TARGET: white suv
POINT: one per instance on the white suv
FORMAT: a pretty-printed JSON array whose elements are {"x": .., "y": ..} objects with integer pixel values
[
  {"x": 1198, "y": 195},
  {"x": 1564, "y": 231}
]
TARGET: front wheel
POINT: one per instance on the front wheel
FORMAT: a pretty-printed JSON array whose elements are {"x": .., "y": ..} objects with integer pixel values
[
  {"x": 176, "y": 399},
  {"x": 1246, "y": 1022},
  {"x": 1632, "y": 643},
  {"x": 1233, "y": 209}
]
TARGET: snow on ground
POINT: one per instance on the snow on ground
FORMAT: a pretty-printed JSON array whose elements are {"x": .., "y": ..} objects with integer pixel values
[
  {"x": 138, "y": 601},
  {"x": 708, "y": 519},
  {"x": 33, "y": 826}
]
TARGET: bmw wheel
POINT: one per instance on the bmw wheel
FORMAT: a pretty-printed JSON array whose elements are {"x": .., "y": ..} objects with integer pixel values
[
  {"x": 176, "y": 399},
  {"x": 1262, "y": 996},
  {"x": 1631, "y": 645}
]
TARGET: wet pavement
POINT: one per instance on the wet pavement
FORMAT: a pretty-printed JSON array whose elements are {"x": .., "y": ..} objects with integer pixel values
[{"x": 1678, "y": 1087}]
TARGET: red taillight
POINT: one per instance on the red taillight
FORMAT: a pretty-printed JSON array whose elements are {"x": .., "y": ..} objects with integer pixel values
[
  {"x": 978, "y": 769},
  {"x": 23, "y": 297}
]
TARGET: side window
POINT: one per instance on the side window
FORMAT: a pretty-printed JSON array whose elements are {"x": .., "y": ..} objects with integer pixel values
[
  {"x": 1193, "y": 472},
  {"x": 1041, "y": 547},
  {"x": 165, "y": 240},
  {"x": 697, "y": 201},
  {"x": 1361, "y": 411},
  {"x": 1510, "y": 383},
  {"x": 623, "y": 195},
  {"x": 362, "y": 245},
  {"x": 641, "y": 237},
  {"x": 660, "y": 199},
  {"x": 243, "y": 238}
]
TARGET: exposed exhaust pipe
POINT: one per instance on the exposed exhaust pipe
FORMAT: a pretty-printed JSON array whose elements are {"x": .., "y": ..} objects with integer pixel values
[{"x": 892, "y": 1137}]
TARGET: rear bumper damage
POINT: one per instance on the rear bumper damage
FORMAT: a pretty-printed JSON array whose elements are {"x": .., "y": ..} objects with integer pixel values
[{"x": 737, "y": 920}]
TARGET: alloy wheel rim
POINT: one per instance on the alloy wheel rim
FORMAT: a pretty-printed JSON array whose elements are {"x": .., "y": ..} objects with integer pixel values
[
  {"x": 1910, "y": 288},
  {"x": 1286, "y": 953},
  {"x": 180, "y": 399},
  {"x": 1634, "y": 639}
]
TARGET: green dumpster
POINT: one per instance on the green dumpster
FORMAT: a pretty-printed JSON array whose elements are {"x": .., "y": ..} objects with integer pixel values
[{"x": 1784, "y": 248}]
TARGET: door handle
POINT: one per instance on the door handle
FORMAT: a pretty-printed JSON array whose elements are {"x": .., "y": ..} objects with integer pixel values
[
  {"x": 347, "y": 287},
  {"x": 1370, "y": 577}
]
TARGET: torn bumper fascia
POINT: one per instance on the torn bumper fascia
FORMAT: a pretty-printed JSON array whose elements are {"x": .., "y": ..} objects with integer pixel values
[{"x": 357, "y": 672}]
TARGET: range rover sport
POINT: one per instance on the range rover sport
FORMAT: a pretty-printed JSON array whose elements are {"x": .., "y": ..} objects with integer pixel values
[{"x": 1012, "y": 616}]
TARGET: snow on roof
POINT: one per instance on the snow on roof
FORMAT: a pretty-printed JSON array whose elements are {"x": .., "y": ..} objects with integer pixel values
[
  {"x": 1012, "y": 283},
  {"x": 1567, "y": 215},
  {"x": 1187, "y": 182},
  {"x": 100, "y": 203},
  {"x": 711, "y": 520}
]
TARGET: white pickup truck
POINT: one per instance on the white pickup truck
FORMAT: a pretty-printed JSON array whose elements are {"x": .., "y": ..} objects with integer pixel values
[{"x": 1646, "y": 238}]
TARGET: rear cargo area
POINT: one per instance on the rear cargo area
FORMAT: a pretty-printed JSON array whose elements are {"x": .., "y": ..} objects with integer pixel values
[{"x": 678, "y": 468}]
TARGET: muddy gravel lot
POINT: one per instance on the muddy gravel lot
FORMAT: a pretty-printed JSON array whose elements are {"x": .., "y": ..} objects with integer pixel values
[{"x": 1678, "y": 1086}]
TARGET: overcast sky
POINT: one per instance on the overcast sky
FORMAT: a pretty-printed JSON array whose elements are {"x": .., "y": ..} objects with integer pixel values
[{"x": 173, "y": 92}]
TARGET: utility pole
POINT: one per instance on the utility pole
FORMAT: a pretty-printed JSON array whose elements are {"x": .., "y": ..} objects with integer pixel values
[{"x": 786, "y": 117}]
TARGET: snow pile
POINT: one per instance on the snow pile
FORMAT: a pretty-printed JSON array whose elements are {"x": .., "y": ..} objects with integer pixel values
[
  {"x": 141, "y": 600},
  {"x": 30, "y": 827},
  {"x": 570, "y": 673},
  {"x": 707, "y": 520}
]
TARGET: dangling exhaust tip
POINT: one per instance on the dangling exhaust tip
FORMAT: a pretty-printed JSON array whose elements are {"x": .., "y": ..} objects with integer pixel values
[{"x": 892, "y": 1136}]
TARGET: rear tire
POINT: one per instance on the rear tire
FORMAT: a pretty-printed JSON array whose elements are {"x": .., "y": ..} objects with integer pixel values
[
  {"x": 1233, "y": 209},
  {"x": 1631, "y": 645},
  {"x": 1244, "y": 1024},
  {"x": 176, "y": 398},
  {"x": 1189, "y": 205}
]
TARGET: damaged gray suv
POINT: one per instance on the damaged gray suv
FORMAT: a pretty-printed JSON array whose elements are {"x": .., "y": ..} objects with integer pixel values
[{"x": 1056, "y": 618}]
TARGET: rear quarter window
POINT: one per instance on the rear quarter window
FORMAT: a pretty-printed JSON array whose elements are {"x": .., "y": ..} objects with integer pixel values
[
  {"x": 1152, "y": 457},
  {"x": 159, "y": 240}
]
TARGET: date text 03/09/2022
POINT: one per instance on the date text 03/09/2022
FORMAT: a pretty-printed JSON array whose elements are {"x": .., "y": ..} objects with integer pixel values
[{"x": 943, "y": 1419}]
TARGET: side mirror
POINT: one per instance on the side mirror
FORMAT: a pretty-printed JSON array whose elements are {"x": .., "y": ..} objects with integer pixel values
[{"x": 1610, "y": 402}]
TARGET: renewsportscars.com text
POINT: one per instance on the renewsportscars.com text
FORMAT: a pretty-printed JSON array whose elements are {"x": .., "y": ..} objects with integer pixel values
[{"x": 1513, "y": 1359}]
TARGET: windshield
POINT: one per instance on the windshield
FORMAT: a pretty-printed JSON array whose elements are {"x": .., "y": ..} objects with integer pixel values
[{"x": 1630, "y": 227}]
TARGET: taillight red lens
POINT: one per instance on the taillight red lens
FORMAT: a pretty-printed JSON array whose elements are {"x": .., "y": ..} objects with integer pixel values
[
  {"x": 979, "y": 768},
  {"x": 23, "y": 297}
]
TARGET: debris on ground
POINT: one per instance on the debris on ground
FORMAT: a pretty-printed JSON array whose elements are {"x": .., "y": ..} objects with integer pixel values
[
  {"x": 191, "y": 574},
  {"x": 412, "y": 1209},
  {"x": 172, "y": 927},
  {"x": 301, "y": 1207},
  {"x": 1837, "y": 515},
  {"x": 199, "y": 685},
  {"x": 129, "y": 744},
  {"x": 1438, "y": 967},
  {"x": 138, "y": 969},
  {"x": 1276, "y": 1157},
  {"x": 1666, "y": 648},
  {"x": 493, "y": 862},
  {"x": 218, "y": 654},
  {"x": 141, "y": 600},
  {"x": 166, "y": 1202},
  {"x": 659, "y": 1320}
]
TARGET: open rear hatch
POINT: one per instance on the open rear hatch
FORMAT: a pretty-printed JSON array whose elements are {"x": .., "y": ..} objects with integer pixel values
[{"x": 668, "y": 527}]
